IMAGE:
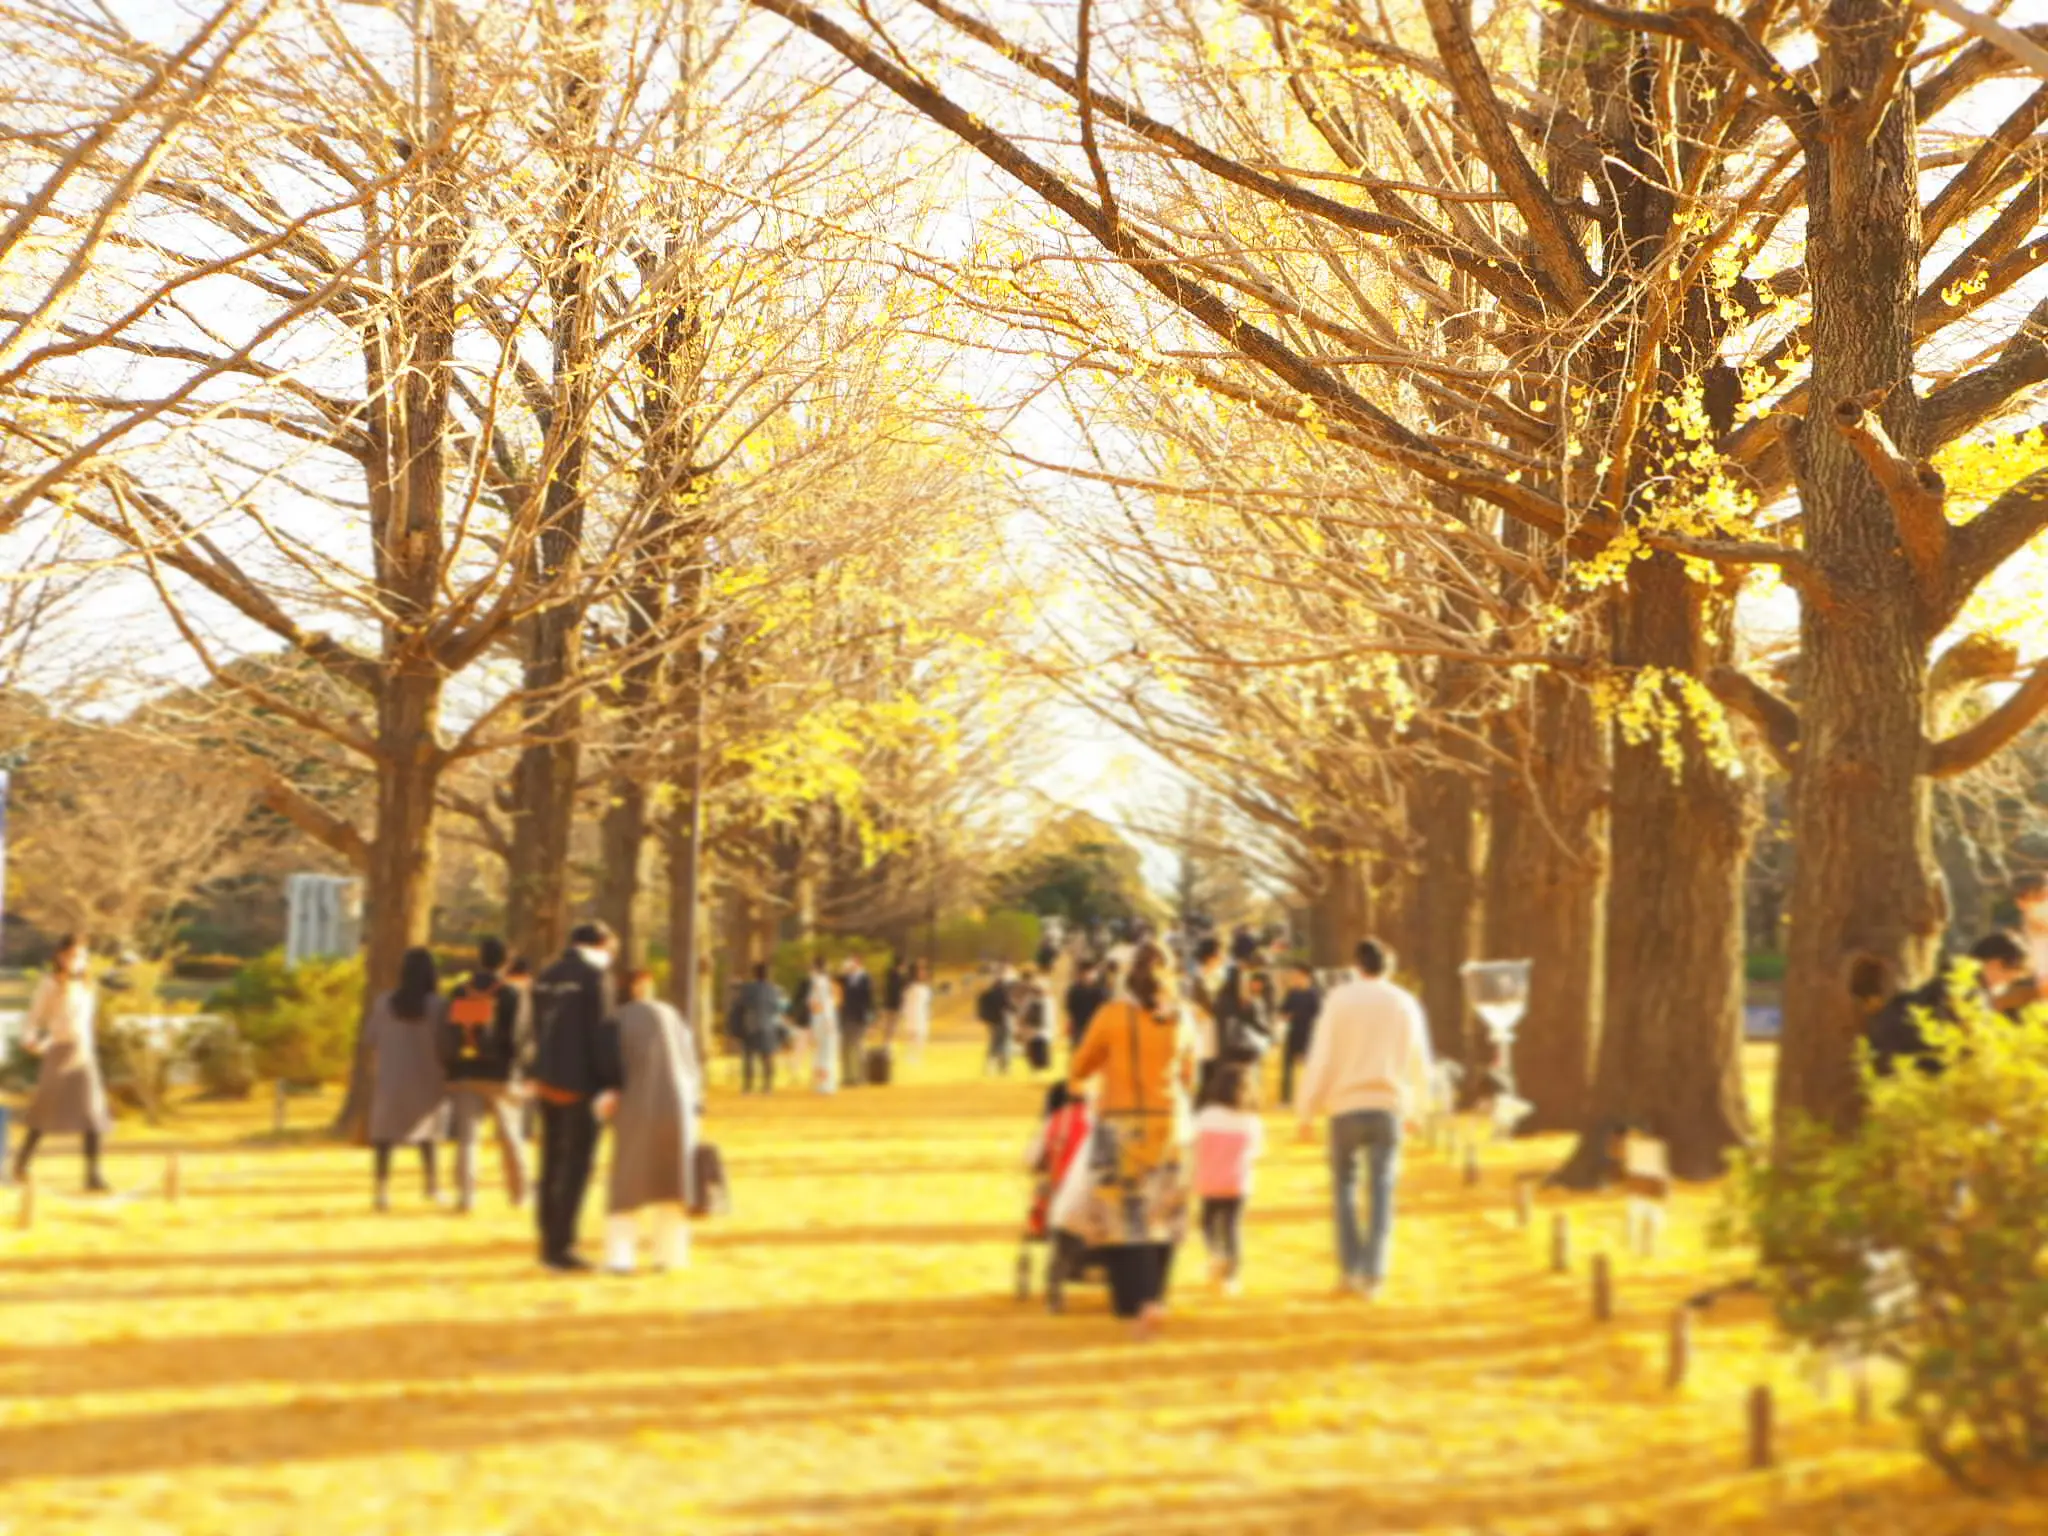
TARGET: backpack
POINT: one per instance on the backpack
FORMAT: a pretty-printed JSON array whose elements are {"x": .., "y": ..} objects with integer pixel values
[{"x": 471, "y": 1015}]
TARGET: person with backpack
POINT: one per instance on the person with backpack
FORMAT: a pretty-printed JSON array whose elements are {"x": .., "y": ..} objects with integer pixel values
[
  {"x": 576, "y": 1060},
  {"x": 479, "y": 1053}
]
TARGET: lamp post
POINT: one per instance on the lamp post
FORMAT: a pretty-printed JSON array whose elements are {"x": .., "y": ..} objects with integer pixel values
[{"x": 1498, "y": 991}]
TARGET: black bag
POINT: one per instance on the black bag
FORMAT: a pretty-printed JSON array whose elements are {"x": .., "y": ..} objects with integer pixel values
[
  {"x": 1038, "y": 1052},
  {"x": 876, "y": 1065},
  {"x": 708, "y": 1176}
]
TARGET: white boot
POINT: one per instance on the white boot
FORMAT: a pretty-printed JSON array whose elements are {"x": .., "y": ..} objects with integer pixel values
[
  {"x": 621, "y": 1235},
  {"x": 671, "y": 1238}
]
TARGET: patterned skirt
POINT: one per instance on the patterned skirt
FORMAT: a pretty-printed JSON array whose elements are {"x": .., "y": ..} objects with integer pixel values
[{"x": 1137, "y": 1188}]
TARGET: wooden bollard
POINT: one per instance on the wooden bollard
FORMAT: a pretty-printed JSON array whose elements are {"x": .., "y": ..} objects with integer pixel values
[
  {"x": 171, "y": 1178},
  {"x": 1525, "y": 1203},
  {"x": 1471, "y": 1165},
  {"x": 1603, "y": 1289},
  {"x": 25, "y": 1210},
  {"x": 1560, "y": 1244},
  {"x": 1761, "y": 1456},
  {"x": 278, "y": 1109},
  {"x": 1864, "y": 1406},
  {"x": 1678, "y": 1349}
]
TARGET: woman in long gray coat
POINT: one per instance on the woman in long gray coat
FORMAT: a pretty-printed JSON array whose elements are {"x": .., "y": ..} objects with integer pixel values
[
  {"x": 70, "y": 1099},
  {"x": 654, "y": 1129},
  {"x": 408, "y": 1090}
]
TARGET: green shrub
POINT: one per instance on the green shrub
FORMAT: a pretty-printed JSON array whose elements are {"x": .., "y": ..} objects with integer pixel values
[
  {"x": 1924, "y": 1238},
  {"x": 300, "y": 1021},
  {"x": 136, "y": 1062},
  {"x": 1004, "y": 935},
  {"x": 209, "y": 967},
  {"x": 1764, "y": 965}
]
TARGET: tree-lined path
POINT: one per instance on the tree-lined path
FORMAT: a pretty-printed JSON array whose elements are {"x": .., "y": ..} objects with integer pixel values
[{"x": 843, "y": 1356}]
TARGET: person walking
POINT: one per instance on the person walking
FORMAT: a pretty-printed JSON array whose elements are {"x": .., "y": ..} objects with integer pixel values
[
  {"x": 576, "y": 1059},
  {"x": 856, "y": 1013},
  {"x": 653, "y": 1114},
  {"x": 1084, "y": 995},
  {"x": 996, "y": 1009},
  {"x": 821, "y": 1007},
  {"x": 408, "y": 1086},
  {"x": 70, "y": 1098},
  {"x": 479, "y": 1053},
  {"x": 757, "y": 1030},
  {"x": 917, "y": 1009},
  {"x": 894, "y": 985},
  {"x": 1298, "y": 1009},
  {"x": 1229, "y": 1135},
  {"x": 1135, "y": 1208},
  {"x": 1368, "y": 1069}
]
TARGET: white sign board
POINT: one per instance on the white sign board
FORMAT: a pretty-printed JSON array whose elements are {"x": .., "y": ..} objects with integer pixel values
[{"x": 323, "y": 917}]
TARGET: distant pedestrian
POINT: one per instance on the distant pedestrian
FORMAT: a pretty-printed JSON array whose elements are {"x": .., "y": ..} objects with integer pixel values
[
  {"x": 408, "y": 1087},
  {"x": 1368, "y": 1070},
  {"x": 1084, "y": 996},
  {"x": 479, "y": 1052},
  {"x": 70, "y": 1099},
  {"x": 821, "y": 1004},
  {"x": 856, "y": 1014},
  {"x": 917, "y": 1009},
  {"x": 1298, "y": 1009},
  {"x": 757, "y": 1030},
  {"x": 653, "y": 1114},
  {"x": 996, "y": 1008},
  {"x": 577, "y": 1058}
]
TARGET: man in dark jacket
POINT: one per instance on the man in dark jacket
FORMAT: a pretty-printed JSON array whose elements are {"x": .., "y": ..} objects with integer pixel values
[
  {"x": 856, "y": 1013},
  {"x": 996, "y": 1009},
  {"x": 576, "y": 1059},
  {"x": 1301, "y": 1005},
  {"x": 1084, "y": 1000},
  {"x": 479, "y": 1050},
  {"x": 1895, "y": 1033},
  {"x": 757, "y": 1028}
]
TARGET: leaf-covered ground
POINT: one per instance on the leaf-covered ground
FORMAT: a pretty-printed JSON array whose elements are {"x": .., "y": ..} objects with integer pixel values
[{"x": 845, "y": 1356}]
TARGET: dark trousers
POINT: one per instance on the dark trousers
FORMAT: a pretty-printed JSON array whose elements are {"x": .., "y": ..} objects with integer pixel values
[
  {"x": 382, "y": 1152},
  {"x": 750, "y": 1059},
  {"x": 568, "y": 1146},
  {"x": 1223, "y": 1229},
  {"x": 1289, "y": 1061},
  {"x": 27, "y": 1155},
  {"x": 853, "y": 1069},
  {"x": 1137, "y": 1275}
]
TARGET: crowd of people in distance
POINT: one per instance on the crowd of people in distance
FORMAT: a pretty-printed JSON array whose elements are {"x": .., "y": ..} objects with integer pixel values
[{"x": 825, "y": 1028}]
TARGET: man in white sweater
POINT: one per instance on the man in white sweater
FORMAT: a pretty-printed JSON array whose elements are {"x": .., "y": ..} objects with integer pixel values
[{"x": 1368, "y": 1070}]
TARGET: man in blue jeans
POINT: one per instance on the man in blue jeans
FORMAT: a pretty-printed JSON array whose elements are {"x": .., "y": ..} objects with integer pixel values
[{"x": 1368, "y": 1069}]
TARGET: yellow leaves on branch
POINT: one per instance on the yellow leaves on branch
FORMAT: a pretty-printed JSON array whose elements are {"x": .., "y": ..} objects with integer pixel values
[{"x": 1656, "y": 704}]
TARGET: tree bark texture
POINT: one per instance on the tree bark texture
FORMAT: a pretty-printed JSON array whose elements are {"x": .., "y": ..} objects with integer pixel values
[
  {"x": 1545, "y": 880},
  {"x": 624, "y": 836},
  {"x": 1339, "y": 914},
  {"x": 1446, "y": 893},
  {"x": 1669, "y": 1060},
  {"x": 1864, "y": 881}
]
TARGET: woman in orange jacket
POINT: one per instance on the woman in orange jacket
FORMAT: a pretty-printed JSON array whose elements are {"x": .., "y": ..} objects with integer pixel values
[{"x": 1139, "y": 1048}]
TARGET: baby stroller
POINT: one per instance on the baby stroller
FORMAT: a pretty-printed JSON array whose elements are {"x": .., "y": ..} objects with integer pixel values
[{"x": 1057, "y": 1154}]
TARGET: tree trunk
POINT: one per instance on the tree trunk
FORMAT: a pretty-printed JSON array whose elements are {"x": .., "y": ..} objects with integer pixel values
[
  {"x": 1544, "y": 867},
  {"x": 1446, "y": 902},
  {"x": 1863, "y": 876},
  {"x": 1338, "y": 914},
  {"x": 1669, "y": 1061},
  {"x": 543, "y": 819},
  {"x": 624, "y": 835},
  {"x": 400, "y": 876}
]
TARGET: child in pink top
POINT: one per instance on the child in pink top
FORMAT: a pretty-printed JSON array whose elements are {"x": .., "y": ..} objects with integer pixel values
[{"x": 1228, "y": 1139}]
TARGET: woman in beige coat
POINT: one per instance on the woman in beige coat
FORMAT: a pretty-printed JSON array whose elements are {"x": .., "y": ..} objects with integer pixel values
[
  {"x": 654, "y": 1129},
  {"x": 70, "y": 1099}
]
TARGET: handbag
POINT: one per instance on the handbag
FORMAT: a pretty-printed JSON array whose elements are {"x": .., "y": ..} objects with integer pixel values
[{"x": 707, "y": 1182}]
